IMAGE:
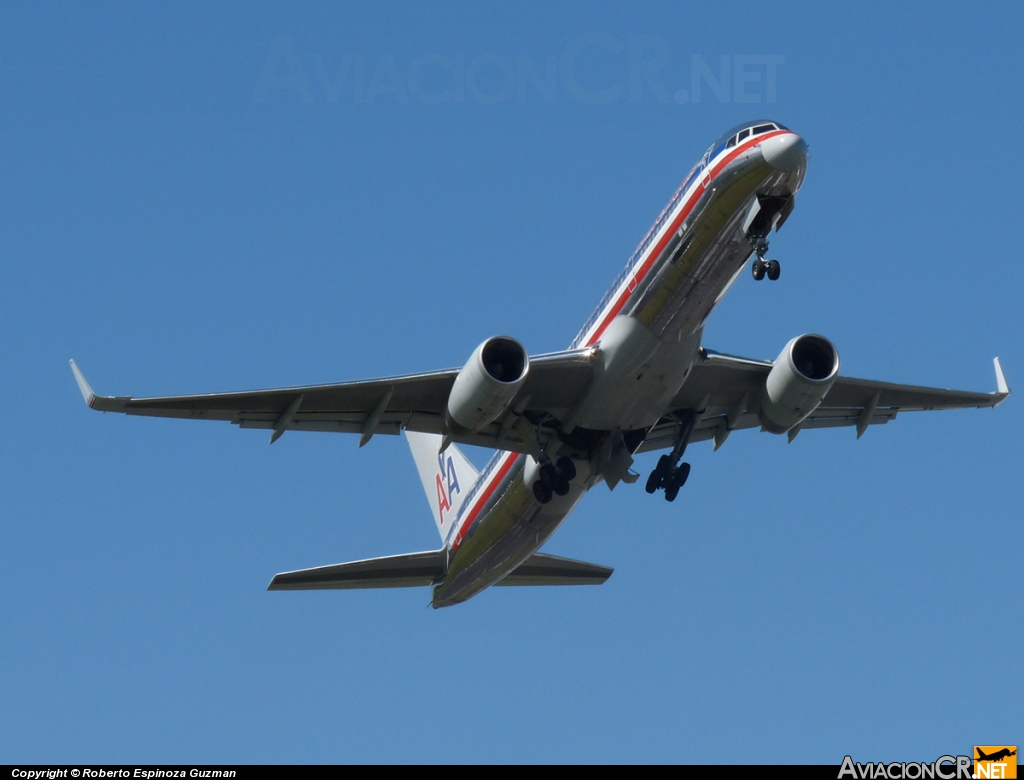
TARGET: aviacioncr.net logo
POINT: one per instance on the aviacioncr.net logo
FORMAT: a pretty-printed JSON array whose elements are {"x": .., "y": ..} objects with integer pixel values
[
  {"x": 995, "y": 761},
  {"x": 942, "y": 768}
]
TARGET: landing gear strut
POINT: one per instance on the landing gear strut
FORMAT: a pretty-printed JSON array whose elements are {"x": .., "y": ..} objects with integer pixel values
[
  {"x": 762, "y": 267},
  {"x": 670, "y": 474},
  {"x": 554, "y": 479}
]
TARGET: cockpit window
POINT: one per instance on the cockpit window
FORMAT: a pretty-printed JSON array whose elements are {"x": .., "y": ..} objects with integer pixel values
[{"x": 740, "y": 133}]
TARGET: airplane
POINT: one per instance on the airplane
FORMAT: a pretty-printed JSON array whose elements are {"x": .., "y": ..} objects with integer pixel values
[
  {"x": 997, "y": 756},
  {"x": 635, "y": 379}
]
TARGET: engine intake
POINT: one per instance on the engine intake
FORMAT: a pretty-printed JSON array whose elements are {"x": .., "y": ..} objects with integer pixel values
[
  {"x": 487, "y": 384},
  {"x": 798, "y": 382}
]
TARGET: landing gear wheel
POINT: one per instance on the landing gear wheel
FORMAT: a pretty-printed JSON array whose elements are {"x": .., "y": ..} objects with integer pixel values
[
  {"x": 548, "y": 476},
  {"x": 758, "y": 269},
  {"x": 670, "y": 474},
  {"x": 676, "y": 481},
  {"x": 541, "y": 491},
  {"x": 774, "y": 269},
  {"x": 682, "y": 475},
  {"x": 566, "y": 468},
  {"x": 657, "y": 478}
]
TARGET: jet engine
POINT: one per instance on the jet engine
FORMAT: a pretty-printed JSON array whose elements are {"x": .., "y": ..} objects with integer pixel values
[
  {"x": 797, "y": 383},
  {"x": 487, "y": 384}
]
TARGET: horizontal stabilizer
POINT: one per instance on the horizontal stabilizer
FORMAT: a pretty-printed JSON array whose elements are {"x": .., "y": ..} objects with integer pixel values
[
  {"x": 395, "y": 571},
  {"x": 540, "y": 569}
]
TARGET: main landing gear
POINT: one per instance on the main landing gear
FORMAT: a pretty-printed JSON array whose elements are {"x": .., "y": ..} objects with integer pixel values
[
  {"x": 554, "y": 479},
  {"x": 762, "y": 267},
  {"x": 670, "y": 474}
]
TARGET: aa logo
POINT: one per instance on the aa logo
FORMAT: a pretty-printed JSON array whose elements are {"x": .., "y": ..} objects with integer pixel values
[
  {"x": 998, "y": 761},
  {"x": 447, "y": 482}
]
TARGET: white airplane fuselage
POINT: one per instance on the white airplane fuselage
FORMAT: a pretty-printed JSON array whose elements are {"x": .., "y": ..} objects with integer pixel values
[
  {"x": 635, "y": 379},
  {"x": 646, "y": 334}
]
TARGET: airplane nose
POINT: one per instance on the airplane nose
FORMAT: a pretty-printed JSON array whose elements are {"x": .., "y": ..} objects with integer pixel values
[{"x": 785, "y": 152}]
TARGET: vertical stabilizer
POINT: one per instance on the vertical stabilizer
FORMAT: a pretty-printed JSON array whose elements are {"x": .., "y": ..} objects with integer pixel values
[{"x": 447, "y": 477}]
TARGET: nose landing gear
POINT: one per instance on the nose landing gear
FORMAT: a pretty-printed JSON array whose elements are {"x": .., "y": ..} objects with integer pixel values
[
  {"x": 670, "y": 474},
  {"x": 762, "y": 267}
]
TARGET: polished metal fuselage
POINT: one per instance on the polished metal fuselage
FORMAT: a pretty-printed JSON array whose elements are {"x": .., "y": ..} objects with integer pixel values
[{"x": 645, "y": 335}]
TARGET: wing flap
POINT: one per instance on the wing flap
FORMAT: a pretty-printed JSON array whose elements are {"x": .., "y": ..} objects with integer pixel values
[
  {"x": 395, "y": 571},
  {"x": 541, "y": 569}
]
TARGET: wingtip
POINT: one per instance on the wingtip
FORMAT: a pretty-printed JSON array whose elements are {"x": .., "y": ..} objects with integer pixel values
[
  {"x": 1002, "y": 388},
  {"x": 83, "y": 386}
]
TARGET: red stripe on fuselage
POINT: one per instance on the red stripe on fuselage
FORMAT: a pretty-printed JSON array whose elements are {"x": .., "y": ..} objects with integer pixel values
[
  {"x": 656, "y": 251},
  {"x": 487, "y": 492},
  {"x": 614, "y": 310}
]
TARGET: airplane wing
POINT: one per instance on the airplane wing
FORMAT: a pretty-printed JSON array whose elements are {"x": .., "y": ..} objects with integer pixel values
[
  {"x": 415, "y": 402},
  {"x": 728, "y": 388},
  {"x": 724, "y": 386}
]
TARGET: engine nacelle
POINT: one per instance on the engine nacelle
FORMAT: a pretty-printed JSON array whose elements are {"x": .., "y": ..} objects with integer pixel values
[
  {"x": 487, "y": 384},
  {"x": 797, "y": 383}
]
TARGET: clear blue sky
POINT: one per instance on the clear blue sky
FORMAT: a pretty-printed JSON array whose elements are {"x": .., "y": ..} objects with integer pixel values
[{"x": 199, "y": 197}]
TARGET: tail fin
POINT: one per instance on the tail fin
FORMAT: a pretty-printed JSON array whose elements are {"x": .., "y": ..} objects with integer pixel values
[{"x": 447, "y": 477}]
